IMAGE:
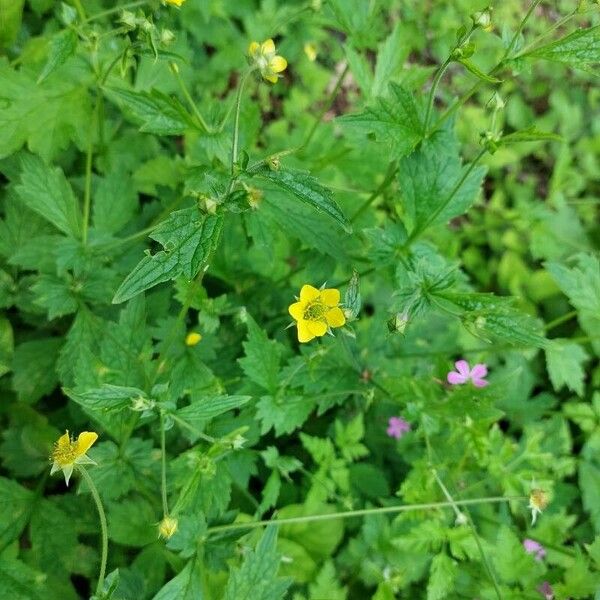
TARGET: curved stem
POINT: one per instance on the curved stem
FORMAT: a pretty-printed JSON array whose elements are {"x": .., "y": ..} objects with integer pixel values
[
  {"x": 163, "y": 473},
  {"x": 236, "y": 125},
  {"x": 188, "y": 97},
  {"x": 364, "y": 512},
  {"x": 434, "y": 85},
  {"x": 103, "y": 526},
  {"x": 116, "y": 9}
]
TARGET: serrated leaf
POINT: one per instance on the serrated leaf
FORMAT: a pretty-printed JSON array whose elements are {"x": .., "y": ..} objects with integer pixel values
[
  {"x": 392, "y": 54},
  {"x": 15, "y": 505},
  {"x": 203, "y": 409},
  {"x": 154, "y": 111},
  {"x": 34, "y": 373},
  {"x": 435, "y": 186},
  {"x": 283, "y": 414},
  {"x": 394, "y": 121},
  {"x": 578, "y": 49},
  {"x": 187, "y": 585},
  {"x": 565, "y": 361},
  {"x": 307, "y": 189},
  {"x": 256, "y": 578},
  {"x": 475, "y": 70},
  {"x": 108, "y": 398},
  {"x": 443, "y": 572},
  {"x": 46, "y": 191},
  {"x": 115, "y": 202},
  {"x": 188, "y": 238},
  {"x": 62, "y": 46},
  {"x": 20, "y": 582}
]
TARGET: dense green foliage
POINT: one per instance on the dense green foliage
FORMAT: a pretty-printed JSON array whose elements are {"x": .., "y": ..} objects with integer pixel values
[{"x": 440, "y": 171}]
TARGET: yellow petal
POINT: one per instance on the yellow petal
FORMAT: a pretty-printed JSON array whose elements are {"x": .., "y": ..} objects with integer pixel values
[
  {"x": 253, "y": 48},
  {"x": 278, "y": 64},
  {"x": 64, "y": 441},
  {"x": 304, "y": 334},
  {"x": 317, "y": 328},
  {"x": 270, "y": 78},
  {"x": 297, "y": 310},
  {"x": 268, "y": 47},
  {"x": 335, "y": 317},
  {"x": 85, "y": 441},
  {"x": 309, "y": 293},
  {"x": 331, "y": 297}
]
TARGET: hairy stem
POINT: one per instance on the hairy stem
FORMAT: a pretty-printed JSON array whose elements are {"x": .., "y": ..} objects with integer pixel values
[
  {"x": 163, "y": 471},
  {"x": 431, "y": 99},
  {"x": 189, "y": 99}
]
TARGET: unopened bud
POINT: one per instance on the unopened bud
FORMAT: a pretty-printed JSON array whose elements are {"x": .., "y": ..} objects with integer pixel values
[
  {"x": 193, "y": 338},
  {"x": 166, "y": 36},
  {"x": 167, "y": 527},
  {"x": 483, "y": 19}
]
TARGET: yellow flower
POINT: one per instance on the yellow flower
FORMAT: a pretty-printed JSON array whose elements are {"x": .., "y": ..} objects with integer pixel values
[
  {"x": 310, "y": 49},
  {"x": 316, "y": 312},
  {"x": 69, "y": 452},
  {"x": 177, "y": 3},
  {"x": 538, "y": 500},
  {"x": 268, "y": 63},
  {"x": 167, "y": 527},
  {"x": 192, "y": 338}
]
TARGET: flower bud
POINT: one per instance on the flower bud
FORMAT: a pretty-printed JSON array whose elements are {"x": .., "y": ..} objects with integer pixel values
[
  {"x": 483, "y": 19},
  {"x": 193, "y": 338},
  {"x": 166, "y": 36},
  {"x": 167, "y": 527}
]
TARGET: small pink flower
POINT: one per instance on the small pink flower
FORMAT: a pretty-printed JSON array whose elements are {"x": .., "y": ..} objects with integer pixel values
[
  {"x": 397, "y": 427},
  {"x": 463, "y": 373},
  {"x": 533, "y": 547},
  {"x": 546, "y": 590}
]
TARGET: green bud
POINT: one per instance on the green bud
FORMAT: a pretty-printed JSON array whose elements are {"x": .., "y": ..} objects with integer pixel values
[{"x": 483, "y": 19}]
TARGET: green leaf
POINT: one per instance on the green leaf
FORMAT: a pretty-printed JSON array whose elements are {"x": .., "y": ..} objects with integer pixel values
[
  {"x": 283, "y": 414},
  {"x": 34, "y": 373},
  {"x": 188, "y": 238},
  {"x": 530, "y": 134},
  {"x": 307, "y": 189},
  {"x": 46, "y": 191},
  {"x": 475, "y": 70},
  {"x": 257, "y": 579},
  {"x": 326, "y": 585},
  {"x": 589, "y": 482},
  {"x": 443, "y": 572},
  {"x": 435, "y": 186},
  {"x": 187, "y": 585},
  {"x": 203, "y": 409},
  {"x": 565, "y": 361},
  {"x": 115, "y": 202},
  {"x": 55, "y": 295},
  {"x": 578, "y": 49},
  {"x": 394, "y": 121},
  {"x": 261, "y": 363},
  {"x": 392, "y": 54},
  {"x": 62, "y": 46},
  {"x": 154, "y": 111},
  {"x": 20, "y": 582},
  {"x": 11, "y": 14},
  {"x": 108, "y": 398},
  {"x": 15, "y": 505},
  {"x": 7, "y": 345}
]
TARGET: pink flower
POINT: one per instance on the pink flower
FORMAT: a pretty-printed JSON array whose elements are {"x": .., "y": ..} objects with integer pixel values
[
  {"x": 463, "y": 373},
  {"x": 397, "y": 427},
  {"x": 546, "y": 590},
  {"x": 533, "y": 547}
]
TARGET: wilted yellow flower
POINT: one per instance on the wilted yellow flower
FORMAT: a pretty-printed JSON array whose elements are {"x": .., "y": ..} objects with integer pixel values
[
  {"x": 538, "y": 500},
  {"x": 268, "y": 63},
  {"x": 69, "y": 452},
  {"x": 310, "y": 49},
  {"x": 167, "y": 527},
  {"x": 192, "y": 338},
  {"x": 175, "y": 2},
  {"x": 316, "y": 312}
]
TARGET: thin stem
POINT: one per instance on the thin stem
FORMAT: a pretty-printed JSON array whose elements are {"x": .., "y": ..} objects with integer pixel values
[
  {"x": 103, "y": 526},
  {"x": 200, "y": 434},
  {"x": 87, "y": 191},
  {"x": 80, "y": 9},
  {"x": 116, "y": 9},
  {"x": 560, "y": 320},
  {"x": 163, "y": 473},
  {"x": 363, "y": 512},
  {"x": 189, "y": 99},
  {"x": 520, "y": 28},
  {"x": 236, "y": 127},
  {"x": 389, "y": 177},
  {"x": 436, "y": 80},
  {"x": 436, "y": 213},
  {"x": 326, "y": 105}
]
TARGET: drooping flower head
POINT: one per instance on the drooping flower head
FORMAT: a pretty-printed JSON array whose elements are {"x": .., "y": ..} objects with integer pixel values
[
  {"x": 69, "y": 452},
  {"x": 464, "y": 373},
  {"x": 264, "y": 57},
  {"x": 533, "y": 547},
  {"x": 538, "y": 500},
  {"x": 397, "y": 427},
  {"x": 316, "y": 312},
  {"x": 167, "y": 527}
]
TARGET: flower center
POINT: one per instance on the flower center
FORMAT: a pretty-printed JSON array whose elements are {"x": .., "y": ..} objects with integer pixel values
[
  {"x": 65, "y": 454},
  {"x": 315, "y": 311}
]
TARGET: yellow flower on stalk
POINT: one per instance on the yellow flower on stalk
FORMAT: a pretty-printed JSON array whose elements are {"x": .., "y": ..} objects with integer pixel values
[
  {"x": 316, "y": 312},
  {"x": 193, "y": 338},
  {"x": 538, "y": 501},
  {"x": 167, "y": 527},
  {"x": 177, "y": 3},
  {"x": 264, "y": 58},
  {"x": 69, "y": 452}
]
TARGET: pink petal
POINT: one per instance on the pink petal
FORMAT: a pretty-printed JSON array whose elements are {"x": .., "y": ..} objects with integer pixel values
[
  {"x": 462, "y": 366},
  {"x": 480, "y": 382},
  {"x": 456, "y": 378},
  {"x": 479, "y": 371}
]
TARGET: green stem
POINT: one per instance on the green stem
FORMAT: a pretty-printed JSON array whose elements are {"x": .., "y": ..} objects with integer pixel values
[
  {"x": 389, "y": 177},
  {"x": 326, "y": 105},
  {"x": 87, "y": 191},
  {"x": 436, "y": 80},
  {"x": 189, "y": 99},
  {"x": 163, "y": 472},
  {"x": 116, "y": 9},
  {"x": 560, "y": 320},
  {"x": 436, "y": 213},
  {"x": 520, "y": 28},
  {"x": 200, "y": 434},
  {"x": 80, "y": 10},
  {"x": 236, "y": 127},
  {"x": 103, "y": 526},
  {"x": 363, "y": 512}
]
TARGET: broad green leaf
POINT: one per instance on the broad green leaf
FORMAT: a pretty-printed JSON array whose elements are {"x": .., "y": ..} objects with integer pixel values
[
  {"x": 20, "y": 582},
  {"x": 188, "y": 237},
  {"x": 7, "y": 345},
  {"x": 203, "y": 409},
  {"x": 62, "y": 46},
  {"x": 187, "y": 585},
  {"x": 326, "y": 585},
  {"x": 434, "y": 184},
  {"x": 360, "y": 68},
  {"x": 34, "y": 373},
  {"x": 132, "y": 521},
  {"x": 392, "y": 54},
  {"x": 107, "y": 398},
  {"x": 55, "y": 294},
  {"x": 262, "y": 357},
  {"x": 565, "y": 361},
  {"x": 256, "y": 578},
  {"x": 283, "y": 414},
  {"x": 15, "y": 505},
  {"x": 307, "y": 189},
  {"x": 443, "y": 573},
  {"x": 154, "y": 111},
  {"x": 46, "y": 191},
  {"x": 394, "y": 121},
  {"x": 11, "y": 13},
  {"x": 578, "y": 49},
  {"x": 589, "y": 482},
  {"x": 115, "y": 202}
]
